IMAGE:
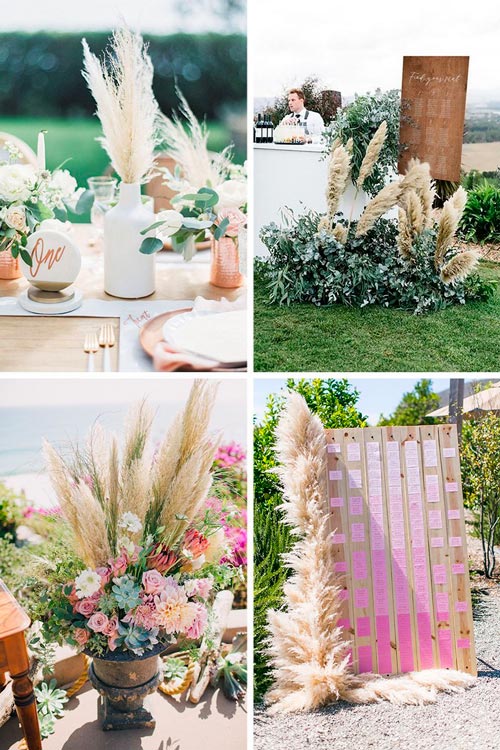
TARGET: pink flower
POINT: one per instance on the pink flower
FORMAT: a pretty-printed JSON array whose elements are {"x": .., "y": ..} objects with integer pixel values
[
  {"x": 153, "y": 582},
  {"x": 112, "y": 626},
  {"x": 198, "y": 622},
  {"x": 105, "y": 573},
  {"x": 86, "y": 607},
  {"x": 237, "y": 220},
  {"x": 98, "y": 622},
  {"x": 119, "y": 565},
  {"x": 112, "y": 640},
  {"x": 81, "y": 636},
  {"x": 172, "y": 608},
  {"x": 194, "y": 542},
  {"x": 198, "y": 587},
  {"x": 145, "y": 616}
]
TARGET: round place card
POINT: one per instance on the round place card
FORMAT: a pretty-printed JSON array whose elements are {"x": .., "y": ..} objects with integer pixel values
[{"x": 56, "y": 260}]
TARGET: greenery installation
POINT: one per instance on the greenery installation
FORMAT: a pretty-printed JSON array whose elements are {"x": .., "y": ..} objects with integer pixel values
[
  {"x": 410, "y": 263},
  {"x": 335, "y": 402},
  {"x": 481, "y": 217}
]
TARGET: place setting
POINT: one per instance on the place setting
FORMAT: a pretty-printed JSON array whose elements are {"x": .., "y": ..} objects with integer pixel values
[{"x": 159, "y": 271}]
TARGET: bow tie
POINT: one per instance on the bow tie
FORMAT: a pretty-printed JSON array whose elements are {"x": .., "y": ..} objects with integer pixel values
[{"x": 297, "y": 116}]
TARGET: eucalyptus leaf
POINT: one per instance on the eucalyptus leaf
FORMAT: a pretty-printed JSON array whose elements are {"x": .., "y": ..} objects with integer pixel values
[
  {"x": 197, "y": 224},
  {"x": 85, "y": 202},
  {"x": 150, "y": 245},
  {"x": 60, "y": 213},
  {"x": 219, "y": 232},
  {"x": 26, "y": 257}
]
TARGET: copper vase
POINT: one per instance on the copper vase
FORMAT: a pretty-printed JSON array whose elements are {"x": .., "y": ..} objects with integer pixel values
[{"x": 225, "y": 263}]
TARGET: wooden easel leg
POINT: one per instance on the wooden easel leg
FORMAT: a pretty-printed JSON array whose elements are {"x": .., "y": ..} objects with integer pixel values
[{"x": 22, "y": 688}]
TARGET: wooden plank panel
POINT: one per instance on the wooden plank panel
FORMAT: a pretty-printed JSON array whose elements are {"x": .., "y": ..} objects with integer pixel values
[
  {"x": 402, "y": 577},
  {"x": 438, "y": 545},
  {"x": 461, "y": 599},
  {"x": 338, "y": 524},
  {"x": 380, "y": 552}
]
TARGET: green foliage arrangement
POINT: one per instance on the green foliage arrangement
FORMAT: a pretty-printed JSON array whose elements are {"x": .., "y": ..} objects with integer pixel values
[
  {"x": 480, "y": 459},
  {"x": 10, "y": 512},
  {"x": 481, "y": 217},
  {"x": 360, "y": 121},
  {"x": 311, "y": 265},
  {"x": 414, "y": 407},
  {"x": 335, "y": 401},
  {"x": 210, "y": 69}
]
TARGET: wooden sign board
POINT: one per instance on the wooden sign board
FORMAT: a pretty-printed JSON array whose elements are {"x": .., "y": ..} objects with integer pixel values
[
  {"x": 433, "y": 95},
  {"x": 399, "y": 542}
]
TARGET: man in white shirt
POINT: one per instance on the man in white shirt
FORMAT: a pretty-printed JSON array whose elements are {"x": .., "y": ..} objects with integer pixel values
[{"x": 312, "y": 122}]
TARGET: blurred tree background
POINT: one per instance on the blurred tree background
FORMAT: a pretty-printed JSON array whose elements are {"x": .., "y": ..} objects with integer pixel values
[{"x": 41, "y": 88}]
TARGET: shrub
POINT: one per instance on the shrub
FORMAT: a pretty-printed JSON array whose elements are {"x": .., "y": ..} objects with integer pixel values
[
  {"x": 10, "y": 512},
  {"x": 310, "y": 266},
  {"x": 313, "y": 91},
  {"x": 481, "y": 217},
  {"x": 360, "y": 121}
]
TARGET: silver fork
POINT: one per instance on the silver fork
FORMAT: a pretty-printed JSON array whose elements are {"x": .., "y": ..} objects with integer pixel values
[
  {"x": 90, "y": 347},
  {"x": 106, "y": 342}
]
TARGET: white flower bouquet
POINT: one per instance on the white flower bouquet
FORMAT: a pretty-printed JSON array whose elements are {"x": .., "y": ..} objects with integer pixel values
[{"x": 29, "y": 196}]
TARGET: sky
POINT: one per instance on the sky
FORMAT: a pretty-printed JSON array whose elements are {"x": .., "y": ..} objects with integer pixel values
[
  {"x": 153, "y": 16},
  {"x": 357, "y": 47},
  {"x": 377, "y": 395}
]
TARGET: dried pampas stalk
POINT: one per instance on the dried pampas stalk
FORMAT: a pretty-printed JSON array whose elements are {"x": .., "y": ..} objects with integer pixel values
[
  {"x": 338, "y": 173},
  {"x": 182, "y": 472},
  {"x": 447, "y": 226},
  {"x": 386, "y": 199},
  {"x": 372, "y": 154},
  {"x": 324, "y": 225},
  {"x": 122, "y": 88},
  {"x": 405, "y": 238},
  {"x": 308, "y": 653},
  {"x": 459, "y": 267},
  {"x": 340, "y": 233},
  {"x": 459, "y": 200},
  {"x": 188, "y": 148},
  {"x": 412, "y": 205}
]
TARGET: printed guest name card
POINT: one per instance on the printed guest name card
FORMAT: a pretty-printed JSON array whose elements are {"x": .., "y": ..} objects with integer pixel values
[{"x": 56, "y": 260}]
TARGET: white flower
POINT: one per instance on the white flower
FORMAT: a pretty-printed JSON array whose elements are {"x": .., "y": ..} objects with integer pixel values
[
  {"x": 124, "y": 542},
  {"x": 87, "y": 583},
  {"x": 54, "y": 225},
  {"x": 15, "y": 217},
  {"x": 16, "y": 182},
  {"x": 130, "y": 522},
  {"x": 232, "y": 193},
  {"x": 62, "y": 182},
  {"x": 173, "y": 222}
]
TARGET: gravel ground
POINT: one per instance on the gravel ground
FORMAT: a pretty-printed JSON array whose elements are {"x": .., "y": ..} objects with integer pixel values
[{"x": 467, "y": 721}]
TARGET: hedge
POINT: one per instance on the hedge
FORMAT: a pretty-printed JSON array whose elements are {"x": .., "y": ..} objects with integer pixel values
[{"x": 40, "y": 74}]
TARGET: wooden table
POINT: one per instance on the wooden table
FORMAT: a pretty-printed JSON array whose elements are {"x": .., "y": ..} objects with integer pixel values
[
  {"x": 173, "y": 280},
  {"x": 15, "y": 660}
]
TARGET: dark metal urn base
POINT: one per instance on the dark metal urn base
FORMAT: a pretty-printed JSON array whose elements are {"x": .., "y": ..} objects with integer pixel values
[{"x": 123, "y": 685}]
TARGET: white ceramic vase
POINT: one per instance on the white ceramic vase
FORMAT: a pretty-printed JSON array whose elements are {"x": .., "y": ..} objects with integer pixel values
[{"x": 127, "y": 272}]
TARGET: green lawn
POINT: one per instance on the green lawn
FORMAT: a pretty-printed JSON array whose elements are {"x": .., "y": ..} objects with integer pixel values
[
  {"x": 75, "y": 139},
  {"x": 306, "y": 338}
]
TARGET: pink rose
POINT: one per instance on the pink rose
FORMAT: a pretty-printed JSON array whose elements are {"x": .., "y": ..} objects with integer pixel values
[
  {"x": 120, "y": 565},
  {"x": 153, "y": 582},
  {"x": 105, "y": 573},
  {"x": 98, "y": 622},
  {"x": 81, "y": 636},
  {"x": 112, "y": 626},
  {"x": 85, "y": 607},
  {"x": 237, "y": 220}
]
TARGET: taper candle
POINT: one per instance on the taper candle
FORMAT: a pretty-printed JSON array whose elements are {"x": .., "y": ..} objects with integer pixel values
[{"x": 40, "y": 154}]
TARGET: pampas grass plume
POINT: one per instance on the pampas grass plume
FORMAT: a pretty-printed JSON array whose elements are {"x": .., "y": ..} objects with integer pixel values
[
  {"x": 339, "y": 168},
  {"x": 447, "y": 226},
  {"x": 372, "y": 154},
  {"x": 459, "y": 267},
  {"x": 378, "y": 206}
]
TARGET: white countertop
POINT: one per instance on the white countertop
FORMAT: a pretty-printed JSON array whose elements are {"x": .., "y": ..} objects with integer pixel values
[{"x": 317, "y": 148}]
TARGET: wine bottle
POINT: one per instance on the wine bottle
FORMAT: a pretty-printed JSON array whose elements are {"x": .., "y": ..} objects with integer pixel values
[
  {"x": 270, "y": 132},
  {"x": 259, "y": 129}
]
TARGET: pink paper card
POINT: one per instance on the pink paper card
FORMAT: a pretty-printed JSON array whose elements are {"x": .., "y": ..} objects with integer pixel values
[
  {"x": 333, "y": 448},
  {"x": 445, "y": 648},
  {"x": 356, "y": 506},
  {"x": 430, "y": 453},
  {"x": 363, "y": 627},
  {"x": 365, "y": 659},
  {"x": 359, "y": 565},
  {"x": 406, "y": 660},
  {"x": 458, "y": 568},
  {"x": 340, "y": 567},
  {"x": 454, "y": 514},
  {"x": 437, "y": 541},
  {"x": 451, "y": 486},
  {"x": 338, "y": 538},
  {"x": 463, "y": 642},
  {"x": 355, "y": 481},
  {"x": 455, "y": 541},
  {"x": 358, "y": 532},
  {"x": 442, "y": 602},
  {"x": 425, "y": 640},
  {"x": 461, "y": 607},
  {"x": 361, "y": 598},
  {"x": 449, "y": 452},
  {"x": 336, "y": 502},
  {"x": 335, "y": 476},
  {"x": 435, "y": 519},
  {"x": 439, "y": 573},
  {"x": 384, "y": 653},
  {"x": 353, "y": 452},
  {"x": 432, "y": 488}
]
